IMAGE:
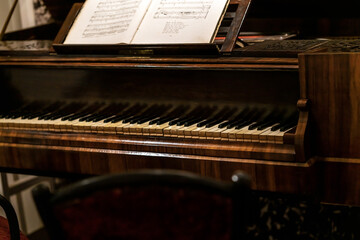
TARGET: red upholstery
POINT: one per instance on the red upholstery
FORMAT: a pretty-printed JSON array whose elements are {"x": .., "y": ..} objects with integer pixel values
[
  {"x": 4, "y": 230},
  {"x": 147, "y": 213}
]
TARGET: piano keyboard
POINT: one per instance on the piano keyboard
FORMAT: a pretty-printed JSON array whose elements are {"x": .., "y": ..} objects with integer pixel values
[{"x": 227, "y": 123}]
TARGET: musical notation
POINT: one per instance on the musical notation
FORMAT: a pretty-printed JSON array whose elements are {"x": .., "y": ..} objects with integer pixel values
[
  {"x": 181, "y": 21},
  {"x": 147, "y": 22},
  {"x": 111, "y": 17},
  {"x": 182, "y": 9}
]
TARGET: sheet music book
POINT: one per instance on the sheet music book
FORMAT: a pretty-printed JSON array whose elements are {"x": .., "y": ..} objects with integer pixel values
[{"x": 147, "y": 21}]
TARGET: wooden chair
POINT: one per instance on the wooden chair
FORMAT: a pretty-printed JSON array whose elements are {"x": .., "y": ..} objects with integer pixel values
[
  {"x": 9, "y": 226},
  {"x": 156, "y": 204}
]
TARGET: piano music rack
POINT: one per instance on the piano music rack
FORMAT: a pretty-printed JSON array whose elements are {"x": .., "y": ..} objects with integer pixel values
[{"x": 225, "y": 40}]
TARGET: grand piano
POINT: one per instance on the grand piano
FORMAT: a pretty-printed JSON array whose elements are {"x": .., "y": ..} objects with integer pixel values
[{"x": 282, "y": 105}]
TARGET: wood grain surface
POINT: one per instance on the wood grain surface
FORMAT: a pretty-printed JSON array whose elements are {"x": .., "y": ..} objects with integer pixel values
[{"x": 331, "y": 82}]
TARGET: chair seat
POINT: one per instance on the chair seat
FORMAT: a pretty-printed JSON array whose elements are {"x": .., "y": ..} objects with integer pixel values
[{"x": 5, "y": 232}]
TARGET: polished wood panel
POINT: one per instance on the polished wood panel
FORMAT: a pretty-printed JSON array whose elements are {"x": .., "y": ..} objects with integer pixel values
[
  {"x": 56, "y": 160},
  {"x": 340, "y": 180},
  {"x": 331, "y": 82}
]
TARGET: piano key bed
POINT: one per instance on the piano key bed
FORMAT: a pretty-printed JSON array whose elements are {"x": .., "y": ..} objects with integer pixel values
[{"x": 259, "y": 124}]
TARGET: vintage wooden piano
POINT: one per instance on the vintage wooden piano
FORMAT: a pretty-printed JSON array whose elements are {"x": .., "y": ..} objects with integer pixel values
[{"x": 285, "y": 111}]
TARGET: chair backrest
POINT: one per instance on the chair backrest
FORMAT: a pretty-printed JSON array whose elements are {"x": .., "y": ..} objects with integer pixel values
[
  {"x": 9, "y": 227},
  {"x": 156, "y": 204}
]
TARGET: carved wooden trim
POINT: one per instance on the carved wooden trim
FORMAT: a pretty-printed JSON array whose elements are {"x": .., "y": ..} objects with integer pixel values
[{"x": 301, "y": 130}]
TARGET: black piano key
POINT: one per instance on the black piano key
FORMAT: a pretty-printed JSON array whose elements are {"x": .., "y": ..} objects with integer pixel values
[
  {"x": 175, "y": 121},
  {"x": 162, "y": 120},
  {"x": 42, "y": 110},
  {"x": 140, "y": 115},
  {"x": 135, "y": 116},
  {"x": 172, "y": 115},
  {"x": 275, "y": 128},
  {"x": 152, "y": 113},
  {"x": 29, "y": 107},
  {"x": 247, "y": 114},
  {"x": 193, "y": 121},
  {"x": 250, "y": 123},
  {"x": 50, "y": 110},
  {"x": 291, "y": 118},
  {"x": 253, "y": 126},
  {"x": 250, "y": 117},
  {"x": 288, "y": 126},
  {"x": 48, "y": 114},
  {"x": 273, "y": 120},
  {"x": 267, "y": 119},
  {"x": 119, "y": 112},
  {"x": 78, "y": 114},
  {"x": 183, "y": 121},
  {"x": 225, "y": 115},
  {"x": 82, "y": 113},
  {"x": 260, "y": 121},
  {"x": 108, "y": 112},
  {"x": 243, "y": 124},
  {"x": 144, "y": 120},
  {"x": 128, "y": 112},
  {"x": 207, "y": 111},
  {"x": 66, "y": 110},
  {"x": 232, "y": 124},
  {"x": 111, "y": 118},
  {"x": 117, "y": 119},
  {"x": 190, "y": 115},
  {"x": 179, "y": 120},
  {"x": 90, "y": 114},
  {"x": 156, "y": 120},
  {"x": 217, "y": 116},
  {"x": 46, "y": 110},
  {"x": 202, "y": 122},
  {"x": 150, "y": 118},
  {"x": 266, "y": 125},
  {"x": 213, "y": 123},
  {"x": 161, "y": 112},
  {"x": 171, "y": 121},
  {"x": 102, "y": 113},
  {"x": 234, "y": 119}
]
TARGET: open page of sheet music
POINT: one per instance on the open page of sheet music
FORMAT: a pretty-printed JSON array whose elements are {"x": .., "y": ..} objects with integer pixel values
[
  {"x": 180, "y": 21},
  {"x": 147, "y": 21},
  {"x": 107, "y": 21}
]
